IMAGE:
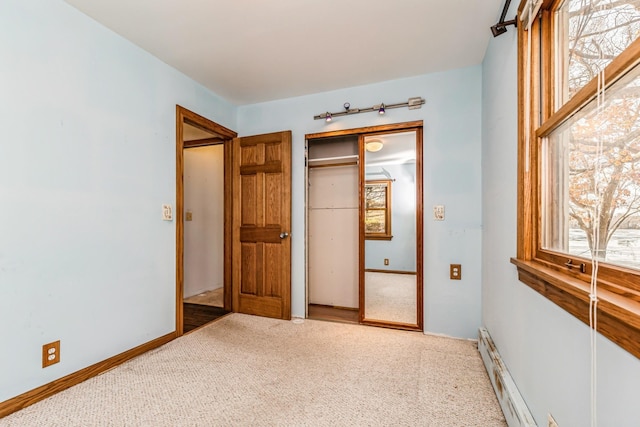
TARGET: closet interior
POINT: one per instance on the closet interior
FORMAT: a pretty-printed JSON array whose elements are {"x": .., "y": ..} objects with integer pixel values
[{"x": 333, "y": 224}]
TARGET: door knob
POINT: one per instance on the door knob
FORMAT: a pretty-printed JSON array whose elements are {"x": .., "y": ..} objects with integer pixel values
[{"x": 284, "y": 235}]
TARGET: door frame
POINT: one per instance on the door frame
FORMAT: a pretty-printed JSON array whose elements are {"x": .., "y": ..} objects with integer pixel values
[
  {"x": 417, "y": 126},
  {"x": 184, "y": 115}
]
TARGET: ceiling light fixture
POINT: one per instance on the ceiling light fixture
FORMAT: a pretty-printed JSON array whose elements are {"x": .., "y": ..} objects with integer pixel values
[
  {"x": 413, "y": 104},
  {"x": 373, "y": 146}
]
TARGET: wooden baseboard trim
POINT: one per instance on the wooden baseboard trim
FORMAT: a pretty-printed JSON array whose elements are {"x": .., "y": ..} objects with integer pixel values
[
  {"x": 338, "y": 307},
  {"x": 373, "y": 270},
  {"x": 37, "y": 394}
]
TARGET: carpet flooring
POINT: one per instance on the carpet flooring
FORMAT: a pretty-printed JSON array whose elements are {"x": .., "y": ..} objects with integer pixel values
[
  {"x": 391, "y": 297},
  {"x": 250, "y": 371}
]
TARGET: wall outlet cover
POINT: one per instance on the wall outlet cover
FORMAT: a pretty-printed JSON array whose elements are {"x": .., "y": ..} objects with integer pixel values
[
  {"x": 438, "y": 212},
  {"x": 167, "y": 213},
  {"x": 455, "y": 272},
  {"x": 50, "y": 353}
]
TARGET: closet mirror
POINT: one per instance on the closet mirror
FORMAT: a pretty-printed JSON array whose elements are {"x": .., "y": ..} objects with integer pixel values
[{"x": 390, "y": 215}]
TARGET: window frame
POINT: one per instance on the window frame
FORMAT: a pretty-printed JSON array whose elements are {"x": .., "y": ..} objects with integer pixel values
[
  {"x": 557, "y": 276},
  {"x": 386, "y": 235}
]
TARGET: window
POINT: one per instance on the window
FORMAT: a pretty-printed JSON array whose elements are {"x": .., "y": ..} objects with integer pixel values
[
  {"x": 579, "y": 160},
  {"x": 588, "y": 36},
  {"x": 377, "y": 213}
]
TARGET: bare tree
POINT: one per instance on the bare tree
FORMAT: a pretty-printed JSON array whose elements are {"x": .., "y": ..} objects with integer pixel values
[{"x": 604, "y": 183}]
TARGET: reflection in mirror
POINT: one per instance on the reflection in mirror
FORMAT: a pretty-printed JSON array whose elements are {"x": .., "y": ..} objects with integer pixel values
[
  {"x": 377, "y": 209},
  {"x": 390, "y": 247}
]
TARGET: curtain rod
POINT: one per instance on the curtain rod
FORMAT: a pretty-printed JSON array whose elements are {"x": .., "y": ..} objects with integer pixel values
[{"x": 501, "y": 26}]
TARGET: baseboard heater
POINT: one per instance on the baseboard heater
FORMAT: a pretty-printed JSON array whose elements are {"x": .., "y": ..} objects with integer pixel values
[{"x": 513, "y": 405}]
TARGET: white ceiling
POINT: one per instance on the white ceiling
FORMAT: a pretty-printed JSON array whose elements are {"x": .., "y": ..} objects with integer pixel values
[
  {"x": 250, "y": 51},
  {"x": 398, "y": 148}
]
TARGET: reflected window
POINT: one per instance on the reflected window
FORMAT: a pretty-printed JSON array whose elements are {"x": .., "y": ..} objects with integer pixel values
[{"x": 377, "y": 213}]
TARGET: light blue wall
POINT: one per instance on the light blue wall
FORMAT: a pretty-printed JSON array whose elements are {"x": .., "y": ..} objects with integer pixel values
[
  {"x": 401, "y": 250},
  {"x": 87, "y": 158},
  {"x": 452, "y": 128},
  {"x": 546, "y": 350}
]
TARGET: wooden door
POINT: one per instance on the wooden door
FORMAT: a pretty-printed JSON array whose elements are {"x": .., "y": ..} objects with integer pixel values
[{"x": 262, "y": 224}]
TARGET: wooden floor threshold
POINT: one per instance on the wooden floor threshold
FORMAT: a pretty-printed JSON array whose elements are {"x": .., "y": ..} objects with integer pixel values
[
  {"x": 198, "y": 315},
  {"x": 333, "y": 314}
]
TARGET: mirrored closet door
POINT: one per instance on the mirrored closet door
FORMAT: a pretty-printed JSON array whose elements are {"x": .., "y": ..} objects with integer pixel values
[
  {"x": 364, "y": 226},
  {"x": 391, "y": 229}
]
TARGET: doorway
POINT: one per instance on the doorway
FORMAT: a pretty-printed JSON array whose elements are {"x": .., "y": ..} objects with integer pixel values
[
  {"x": 365, "y": 225},
  {"x": 203, "y": 209}
]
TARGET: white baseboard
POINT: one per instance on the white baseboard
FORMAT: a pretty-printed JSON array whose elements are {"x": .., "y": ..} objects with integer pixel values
[{"x": 513, "y": 405}]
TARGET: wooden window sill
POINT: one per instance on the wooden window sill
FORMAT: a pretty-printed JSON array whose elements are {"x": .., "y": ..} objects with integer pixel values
[
  {"x": 377, "y": 237},
  {"x": 618, "y": 315}
]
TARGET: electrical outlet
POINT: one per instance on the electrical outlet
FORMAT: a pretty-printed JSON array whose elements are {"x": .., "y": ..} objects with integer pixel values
[
  {"x": 551, "y": 421},
  {"x": 50, "y": 353},
  {"x": 386, "y": 261},
  {"x": 438, "y": 212},
  {"x": 455, "y": 272}
]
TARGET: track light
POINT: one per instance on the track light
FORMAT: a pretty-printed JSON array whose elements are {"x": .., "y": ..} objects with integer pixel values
[{"x": 412, "y": 104}]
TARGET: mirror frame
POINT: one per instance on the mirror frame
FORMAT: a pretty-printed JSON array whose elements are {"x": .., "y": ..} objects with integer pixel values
[
  {"x": 416, "y": 126},
  {"x": 419, "y": 232}
]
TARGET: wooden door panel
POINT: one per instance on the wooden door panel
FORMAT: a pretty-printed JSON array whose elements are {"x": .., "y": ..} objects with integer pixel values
[
  {"x": 273, "y": 198},
  {"x": 267, "y": 234},
  {"x": 249, "y": 199},
  {"x": 261, "y": 306},
  {"x": 261, "y": 225},
  {"x": 272, "y": 167},
  {"x": 272, "y": 154},
  {"x": 273, "y": 279},
  {"x": 249, "y": 259}
]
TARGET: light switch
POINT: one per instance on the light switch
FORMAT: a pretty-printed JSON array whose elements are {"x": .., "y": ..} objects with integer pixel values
[
  {"x": 188, "y": 216},
  {"x": 438, "y": 212},
  {"x": 167, "y": 213}
]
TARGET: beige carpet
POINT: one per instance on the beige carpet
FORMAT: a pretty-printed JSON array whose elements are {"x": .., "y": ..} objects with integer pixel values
[
  {"x": 214, "y": 297},
  {"x": 390, "y": 296},
  {"x": 250, "y": 371}
]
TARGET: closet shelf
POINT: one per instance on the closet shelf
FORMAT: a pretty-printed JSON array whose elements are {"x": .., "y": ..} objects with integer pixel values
[{"x": 330, "y": 159}]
